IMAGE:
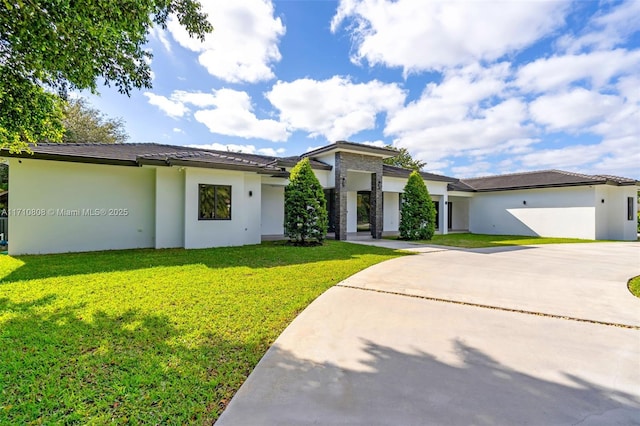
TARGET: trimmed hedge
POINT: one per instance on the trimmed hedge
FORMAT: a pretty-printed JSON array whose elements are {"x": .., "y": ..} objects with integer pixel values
[
  {"x": 305, "y": 207},
  {"x": 418, "y": 214}
]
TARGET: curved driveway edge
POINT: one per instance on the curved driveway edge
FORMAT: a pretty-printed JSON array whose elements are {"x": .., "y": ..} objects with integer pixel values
[{"x": 364, "y": 357}]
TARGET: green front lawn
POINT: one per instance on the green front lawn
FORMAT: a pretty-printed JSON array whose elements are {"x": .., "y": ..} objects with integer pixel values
[
  {"x": 151, "y": 336},
  {"x": 468, "y": 240}
]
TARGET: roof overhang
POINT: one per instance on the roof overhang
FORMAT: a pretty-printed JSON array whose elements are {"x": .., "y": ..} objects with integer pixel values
[
  {"x": 559, "y": 185},
  {"x": 71, "y": 158},
  {"x": 352, "y": 148}
]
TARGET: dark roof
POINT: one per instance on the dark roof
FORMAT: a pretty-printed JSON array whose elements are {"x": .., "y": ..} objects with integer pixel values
[
  {"x": 137, "y": 154},
  {"x": 459, "y": 186},
  {"x": 540, "y": 179},
  {"x": 393, "y": 171},
  {"x": 352, "y": 146},
  {"x": 292, "y": 161}
]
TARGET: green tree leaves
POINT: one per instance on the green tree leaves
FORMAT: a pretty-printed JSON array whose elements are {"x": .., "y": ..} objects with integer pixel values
[
  {"x": 403, "y": 159},
  {"x": 28, "y": 113},
  {"x": 418, "y": 214},
  {"x": 52, "y": 46},
  {"x": 84, "y": 123},
  {"x": 305, "y": 207}
]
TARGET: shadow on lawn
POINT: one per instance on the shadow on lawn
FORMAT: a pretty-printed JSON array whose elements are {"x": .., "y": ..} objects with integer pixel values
[
  {"x": 392, "y": 388},
  {"x": 266, "y": 255},
  {"x": 62, "y": 368}
]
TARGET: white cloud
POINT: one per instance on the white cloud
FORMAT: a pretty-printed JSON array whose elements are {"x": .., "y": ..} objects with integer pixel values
[
  {"x": 573, "y": 110},
  {"x": 161, "y": 35},
  {"x": 378, "y": 143},
  {"x": 606, "y": 30},
  {"x": 225, "y": 111},
  {"x": 424, "y": 35},
  {"x": 233, "y": 115},
  {"x": 456, "y": 98},
  {"x": 272, "y": 152},
  {"x": 197, "y": 99},
  {"x": 172, "y": 108},
  {"x": 472, "y": 170},
  {"x": 570, "y": 157},
  {"x": 334, "y": 108},
  {"x": 244, "y": 43},
  {"x": 247, "y": 149},
  {"x": 471, "y": 112},
  {"x": 598, "y": 68},
  {"x": 313, "y": 148},
  {"x": 177, "y": 130}
]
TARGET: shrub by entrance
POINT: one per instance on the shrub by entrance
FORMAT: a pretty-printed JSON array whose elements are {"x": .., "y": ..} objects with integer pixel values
[
  {"x": 418, "y": 214},
  {"x": 305, "y": 207}
]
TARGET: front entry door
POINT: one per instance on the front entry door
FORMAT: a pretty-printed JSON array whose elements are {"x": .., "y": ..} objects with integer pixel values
[{"x": 364, "y": 211}]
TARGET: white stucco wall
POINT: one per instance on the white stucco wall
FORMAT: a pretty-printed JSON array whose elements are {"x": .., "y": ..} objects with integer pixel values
[
  {"x": 330, "y": 176},
  {"x": 436, "y": 188},
  {"x": 460, "y": 213},
  {"x": 611, "y": 212},
  {"x": 169, "y": 207},
  {"x": 64, "y": 193},
  {"x": 391, "y": 212},
  {"x": 325, "y": 177},
  {"x": 244, "y": 226},
  {"x": 252, "y": 203},
  {"x": 393, "y": 184},
  {"x": 352, "y": 212},
  {"x": 549, "y": 212},
  {"x": 272, "y": 210}
]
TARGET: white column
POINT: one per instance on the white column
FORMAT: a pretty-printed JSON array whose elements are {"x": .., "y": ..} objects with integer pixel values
[{"x": 444, "y": 207}]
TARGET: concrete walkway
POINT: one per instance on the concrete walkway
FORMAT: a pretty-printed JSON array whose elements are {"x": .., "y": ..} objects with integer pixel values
[{"x": 450, "y": 337}]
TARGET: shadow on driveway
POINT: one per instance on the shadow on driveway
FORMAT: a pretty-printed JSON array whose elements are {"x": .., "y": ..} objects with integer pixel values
[{"x": 392, "y": 387}]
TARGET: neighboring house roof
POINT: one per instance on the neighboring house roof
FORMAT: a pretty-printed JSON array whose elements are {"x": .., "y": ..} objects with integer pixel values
[
  {"x": 137, "y": 154},
  {"x": 539, "y": 179},
  {"x": 393, "y": 171},
  {"x": 357, "y": 148}
]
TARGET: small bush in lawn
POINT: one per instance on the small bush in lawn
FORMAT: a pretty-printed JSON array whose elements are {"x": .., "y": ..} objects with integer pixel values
[
  {"x": 305, "y": 208},
  {"x": 418, "y": 214}
]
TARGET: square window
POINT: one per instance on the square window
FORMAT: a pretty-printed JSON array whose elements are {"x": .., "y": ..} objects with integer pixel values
[{"x": 214, "y": 202}]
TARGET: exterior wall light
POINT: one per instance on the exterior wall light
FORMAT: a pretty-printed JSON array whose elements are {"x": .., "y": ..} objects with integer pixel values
[
  {"x": 250, "y": 193},
  {"x": 602, "y": 201},
  {"x": 524, "y": 202}
]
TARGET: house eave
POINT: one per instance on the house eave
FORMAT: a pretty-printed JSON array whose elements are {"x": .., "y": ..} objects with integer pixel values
[
  {"x": 558, "y": 185},
  {"x": 72, "y": 158},
  {"x": 221, "y": 166},
  {"x": 352, "y": 148}
]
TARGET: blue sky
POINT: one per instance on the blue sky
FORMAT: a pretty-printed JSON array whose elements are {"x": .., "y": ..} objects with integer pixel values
[{"x": 471, "y": 87}]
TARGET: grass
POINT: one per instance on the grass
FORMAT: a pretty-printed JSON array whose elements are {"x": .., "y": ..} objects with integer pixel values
[
  {"x": 151, "y": 336},
  {"x": 468, "y": 240},
  {"x": 634, "y": 286}
]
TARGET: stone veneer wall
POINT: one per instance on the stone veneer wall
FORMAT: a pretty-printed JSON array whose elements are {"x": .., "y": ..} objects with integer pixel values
[{"x": 345, "y": 161}]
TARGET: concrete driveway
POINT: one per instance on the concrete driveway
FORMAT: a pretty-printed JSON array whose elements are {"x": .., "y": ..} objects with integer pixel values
[{"x": 539, "y": 335}]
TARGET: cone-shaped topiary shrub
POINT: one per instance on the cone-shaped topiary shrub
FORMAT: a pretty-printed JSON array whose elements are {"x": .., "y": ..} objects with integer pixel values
[
  {"x": 305, "y": 208},
  {"x": 418, "y": 214}
]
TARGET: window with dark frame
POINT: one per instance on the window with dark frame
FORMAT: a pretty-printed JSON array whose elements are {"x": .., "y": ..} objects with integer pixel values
[
  {"x": 630, "y": 208},
  {"x": 214, "y": 202}
]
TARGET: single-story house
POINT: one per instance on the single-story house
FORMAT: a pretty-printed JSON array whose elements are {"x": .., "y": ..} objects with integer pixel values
[{"x": 83, "y": 197}]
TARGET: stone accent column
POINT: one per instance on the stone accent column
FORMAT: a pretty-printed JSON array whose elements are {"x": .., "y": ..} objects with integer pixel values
[
  {"x": 376, "y": 205},
  {"x": 341, "y": 197}
]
